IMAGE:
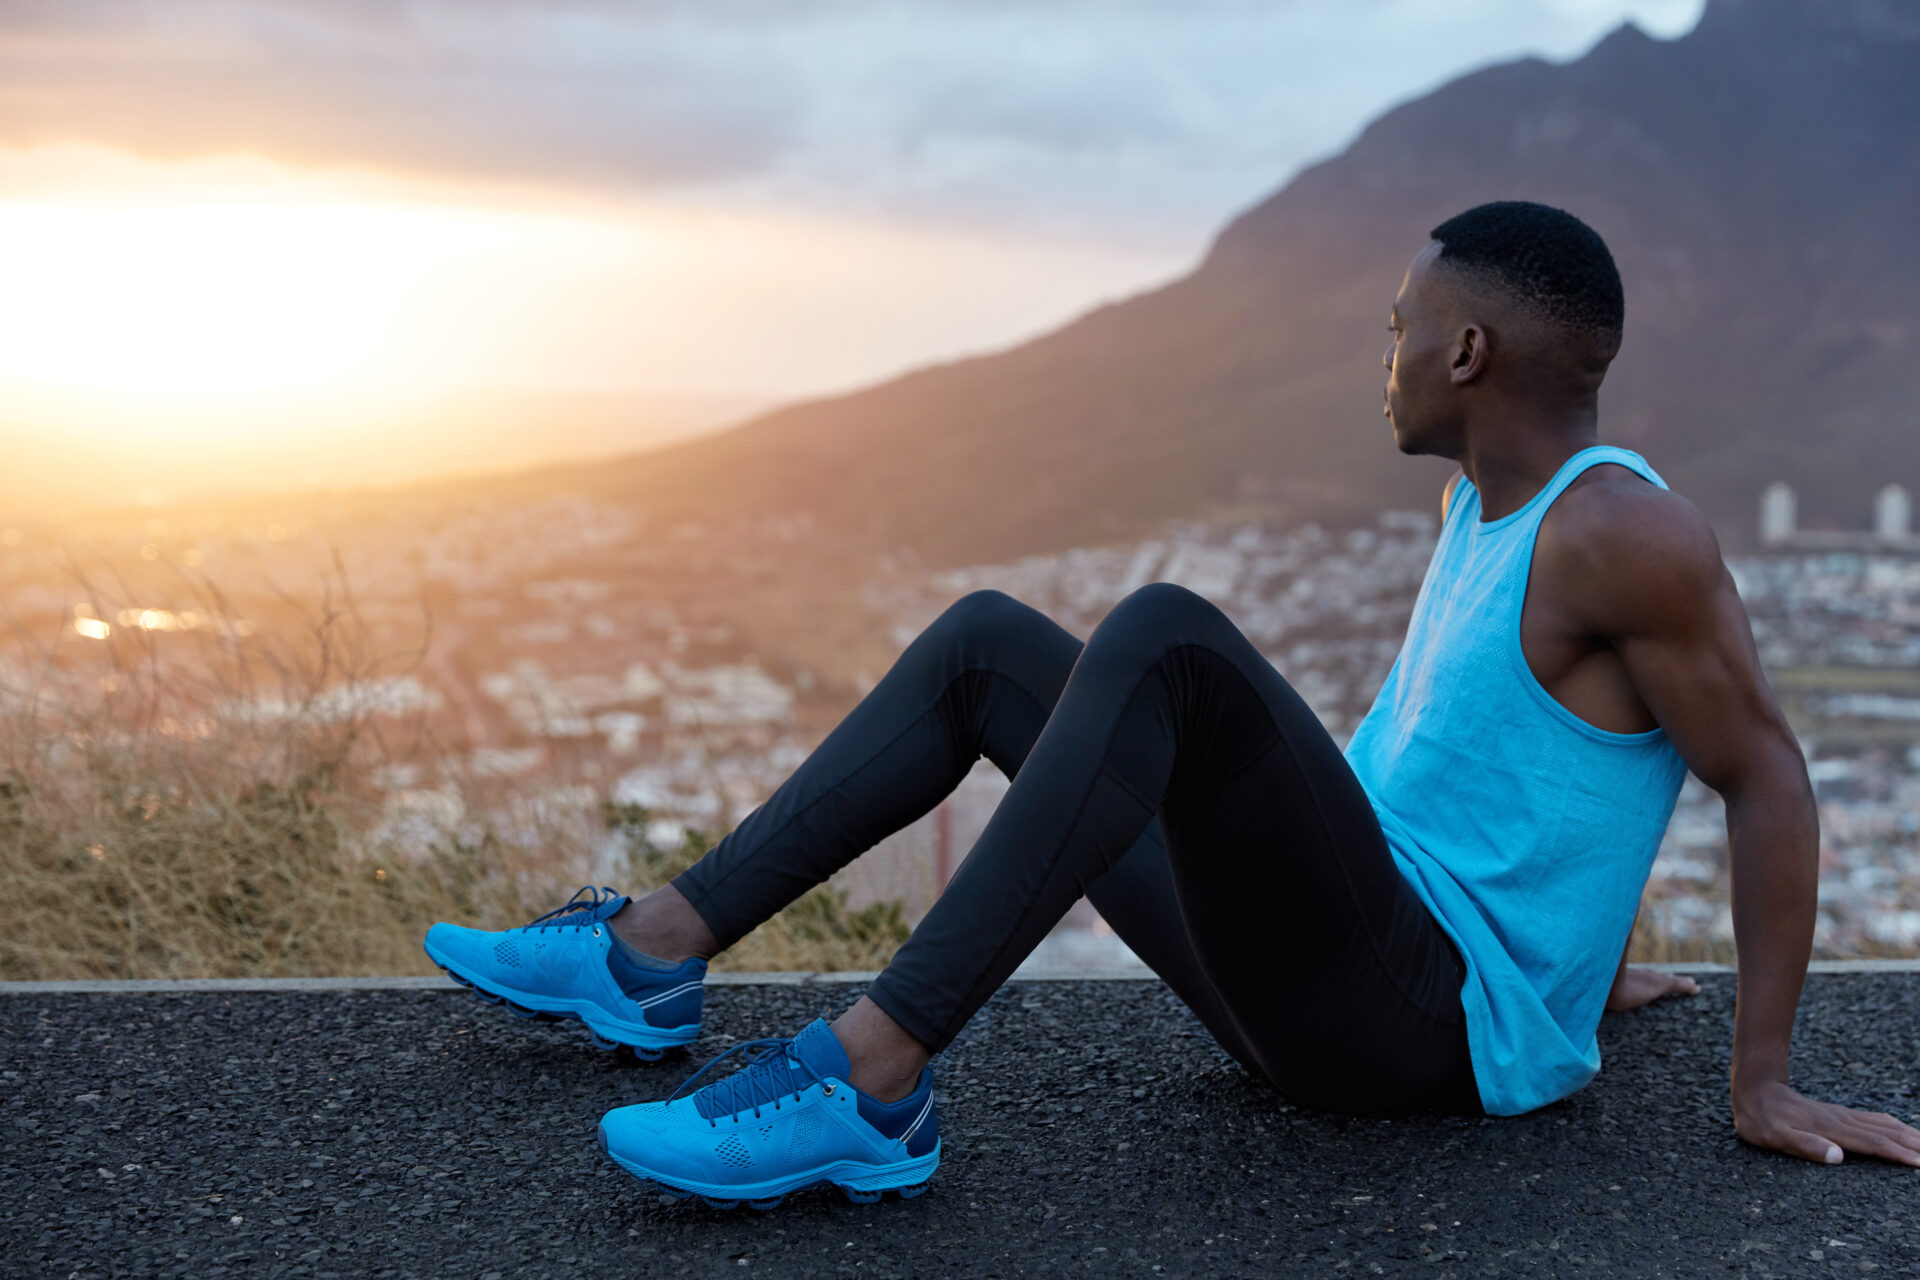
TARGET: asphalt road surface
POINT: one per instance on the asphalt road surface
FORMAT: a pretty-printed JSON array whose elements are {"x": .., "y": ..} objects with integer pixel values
[{"x": 1089, "y": 1127}]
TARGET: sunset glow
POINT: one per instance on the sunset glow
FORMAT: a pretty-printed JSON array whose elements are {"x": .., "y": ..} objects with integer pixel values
[
  {"x": 223, "y": 320},
  {"x": 278, "y": 246},
  {"x": 200, "y": 301},
  {"x": 191, "y": 285}
]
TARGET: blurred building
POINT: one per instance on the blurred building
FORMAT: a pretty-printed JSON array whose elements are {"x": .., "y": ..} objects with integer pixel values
[
  {"x": 1892, "y": 529},
  {"x": 1892, "y": 509},
  {"x": 1777, "y": 505}
]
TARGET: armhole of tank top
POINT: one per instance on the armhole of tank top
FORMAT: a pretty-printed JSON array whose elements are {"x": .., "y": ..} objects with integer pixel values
[{"x": 1517, "y": 653}]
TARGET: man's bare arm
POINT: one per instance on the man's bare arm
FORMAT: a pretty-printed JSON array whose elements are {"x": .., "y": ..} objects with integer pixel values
[{"x": 1647, "y": 575}]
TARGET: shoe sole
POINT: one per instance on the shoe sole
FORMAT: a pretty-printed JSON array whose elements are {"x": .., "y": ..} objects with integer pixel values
[
  {"x": 528, "y": 1007},
  {"x": 866, "y": 1189}
]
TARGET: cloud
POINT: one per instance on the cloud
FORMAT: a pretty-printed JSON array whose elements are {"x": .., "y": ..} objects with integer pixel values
[
  {"x": 1116, "y": 118},
  {"x": 490, "y": 90}
]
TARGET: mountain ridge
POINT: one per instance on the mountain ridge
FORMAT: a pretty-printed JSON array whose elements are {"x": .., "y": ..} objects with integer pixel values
[{"x": 1755, "y": 179}]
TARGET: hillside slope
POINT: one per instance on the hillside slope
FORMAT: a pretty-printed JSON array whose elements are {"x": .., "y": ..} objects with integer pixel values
[{"x": 1757, "y": 178}]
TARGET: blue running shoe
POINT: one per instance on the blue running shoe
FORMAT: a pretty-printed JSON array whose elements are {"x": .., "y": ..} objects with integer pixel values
[
  {"x": 567, "y": 964},
  {"x": 789, "y": 1120}
]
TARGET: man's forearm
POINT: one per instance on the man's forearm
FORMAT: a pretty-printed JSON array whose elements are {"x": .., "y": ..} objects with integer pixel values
[{"x": 1773, "y": 838}]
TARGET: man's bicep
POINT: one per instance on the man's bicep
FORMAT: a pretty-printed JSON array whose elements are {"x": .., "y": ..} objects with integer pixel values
[{"x": 1693, "y": 662}]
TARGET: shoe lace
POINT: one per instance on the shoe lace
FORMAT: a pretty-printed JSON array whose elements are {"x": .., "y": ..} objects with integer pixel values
[
  {"x": 767, "y": 1079},
  {"x": 577, "y": 910}
]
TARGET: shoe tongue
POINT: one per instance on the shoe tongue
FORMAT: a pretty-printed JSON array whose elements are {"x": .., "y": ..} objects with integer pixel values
[
  {"x": 606, "y": 909},
  {"x": 818, "y": 1049}
]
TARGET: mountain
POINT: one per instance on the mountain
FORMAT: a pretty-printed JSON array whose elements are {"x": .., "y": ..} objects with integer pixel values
[{"x": 1758, "y": 180}]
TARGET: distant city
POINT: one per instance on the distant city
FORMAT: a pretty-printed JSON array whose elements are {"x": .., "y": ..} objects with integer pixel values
[{"x": 556, "y": 681}]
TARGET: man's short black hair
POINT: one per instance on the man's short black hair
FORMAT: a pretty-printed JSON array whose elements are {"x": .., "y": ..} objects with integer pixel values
[{"x": 1543, "y": 257}]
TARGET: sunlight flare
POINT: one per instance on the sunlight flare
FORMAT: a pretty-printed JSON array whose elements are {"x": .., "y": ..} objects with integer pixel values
[{"x": 215, "y": 300}]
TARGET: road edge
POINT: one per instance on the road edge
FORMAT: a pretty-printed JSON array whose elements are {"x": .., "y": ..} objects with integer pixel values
[{"x": 195, "y": 986}]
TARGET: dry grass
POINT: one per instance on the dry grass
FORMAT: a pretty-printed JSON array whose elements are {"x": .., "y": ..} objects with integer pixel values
[
  {"x": 156, "y": 822},
  {"x": 137, "y": 868},
  {"x": 817, "y": 933},
  {"x": 1650, "y": 944}
]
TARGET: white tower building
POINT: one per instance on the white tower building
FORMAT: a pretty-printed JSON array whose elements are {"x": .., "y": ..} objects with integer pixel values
[
  {"x": 1892, "y": 512},
  {"x": 1777, "y": 505}
]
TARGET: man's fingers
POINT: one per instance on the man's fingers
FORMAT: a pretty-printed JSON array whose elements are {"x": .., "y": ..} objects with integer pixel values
[
  {"x": 1874, "y": 1133},
  {"x": 1808, "y": 1146},
  {"x": 1898, "y": 1151},
  {"x": 1887, "y": 1146},
  {"x": 1890, "y": 1124},
  {"x": 1896, "y": 1140},
  {"x": 1902, "y": 1128},
  {"x": 1823, "y": 1132},
  {"x": 1882, "y": 1122}
]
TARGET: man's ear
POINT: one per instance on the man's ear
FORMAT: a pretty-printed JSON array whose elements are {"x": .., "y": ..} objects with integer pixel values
[{"x": 1469, "y": 355}]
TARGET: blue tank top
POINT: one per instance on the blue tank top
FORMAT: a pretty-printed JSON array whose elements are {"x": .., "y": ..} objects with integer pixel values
[{"x": 1528, "y": 832}]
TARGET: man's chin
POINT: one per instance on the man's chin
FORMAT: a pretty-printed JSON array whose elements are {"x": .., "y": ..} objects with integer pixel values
[{"x": 1411, "y": 443}]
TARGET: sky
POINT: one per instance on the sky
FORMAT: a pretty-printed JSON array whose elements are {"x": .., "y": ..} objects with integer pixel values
[{"x": 249, "y": 237}]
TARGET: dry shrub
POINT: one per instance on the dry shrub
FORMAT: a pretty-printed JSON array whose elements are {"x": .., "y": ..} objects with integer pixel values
[
  {"x": 201, "y": 807},
  {"x": 214, "y": 814},
  {"x": 818, "y": 932},
  {"x": 1651, "y": 944},
  {"x": 145, "y": 868}
]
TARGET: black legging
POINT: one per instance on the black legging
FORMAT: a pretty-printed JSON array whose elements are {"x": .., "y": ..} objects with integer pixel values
[{"x": 1270, "y": 905}]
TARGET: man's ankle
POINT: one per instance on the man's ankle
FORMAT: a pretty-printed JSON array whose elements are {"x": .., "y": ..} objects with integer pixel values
[
  {"x": 664, "y": 925},
  {"x": 885, "y": 1061}
]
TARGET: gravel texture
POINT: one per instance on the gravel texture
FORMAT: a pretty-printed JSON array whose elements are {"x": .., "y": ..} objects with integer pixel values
[{"x": 1090, "y": 1127}]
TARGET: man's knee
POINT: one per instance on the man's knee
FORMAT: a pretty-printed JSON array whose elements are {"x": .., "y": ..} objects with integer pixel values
[
  {"x": 987, "y": 615},
  {"x": 1166, "y": 610},
  {"x": 1151, "y": 622}
]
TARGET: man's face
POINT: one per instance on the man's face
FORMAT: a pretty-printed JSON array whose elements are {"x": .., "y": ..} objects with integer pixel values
[{"x": 1419, "y": 402}]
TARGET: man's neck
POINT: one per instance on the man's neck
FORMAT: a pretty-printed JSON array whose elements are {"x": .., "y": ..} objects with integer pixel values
[{"x": 1509, "y": 466}]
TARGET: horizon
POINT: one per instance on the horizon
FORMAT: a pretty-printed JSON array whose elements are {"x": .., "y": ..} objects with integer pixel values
[{"x": 294, "y": 251}]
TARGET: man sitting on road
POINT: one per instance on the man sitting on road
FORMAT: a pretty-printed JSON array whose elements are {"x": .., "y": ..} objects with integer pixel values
[{"x": 1433, "y": 918}]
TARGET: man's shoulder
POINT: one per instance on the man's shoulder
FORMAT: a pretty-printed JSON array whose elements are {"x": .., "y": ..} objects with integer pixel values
[{"x": 1625, "y": 546}]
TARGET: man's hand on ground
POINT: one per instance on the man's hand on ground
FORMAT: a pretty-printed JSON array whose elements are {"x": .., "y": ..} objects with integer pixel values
[
  {"x": 1774, "y": 1116},
  {"x": 1635, "y": 987}
]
